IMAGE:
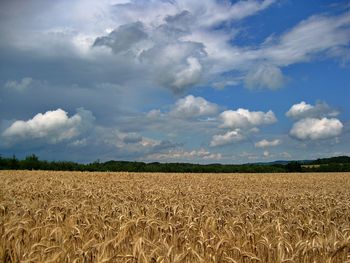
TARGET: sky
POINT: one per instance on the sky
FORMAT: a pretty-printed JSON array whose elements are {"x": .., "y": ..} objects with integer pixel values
[{"x": 175, "y": 80}]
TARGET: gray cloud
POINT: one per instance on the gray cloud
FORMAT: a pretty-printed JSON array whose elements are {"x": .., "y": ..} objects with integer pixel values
[
  {"x": 184, "y": 156},
  {"x": 264, "y": 76},
  {"x": 21, "y": 85},
  {"x": 179, "y": 24},
  {"x": 168, "y": 43},
  {"x": 132, "y": 138},
  {"x": 123, "y": 38},
  {"x": 180, "y": 60},
  {"x": 130, "y": 144}
]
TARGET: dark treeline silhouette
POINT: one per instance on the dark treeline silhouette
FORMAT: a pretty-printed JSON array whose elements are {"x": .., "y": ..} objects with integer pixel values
[
  {"x": 333, "y": 160},
  {"x": 32, "y": 162}
]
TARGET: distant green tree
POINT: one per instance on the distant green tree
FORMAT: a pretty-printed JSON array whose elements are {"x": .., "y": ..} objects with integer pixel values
[
  {"x": 31, "y": 162},
  {"x": 293, "y": 167},
  {"x": 14, "y": 162}
]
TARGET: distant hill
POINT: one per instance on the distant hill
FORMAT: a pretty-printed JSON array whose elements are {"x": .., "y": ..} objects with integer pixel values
[
  {"x": 332, "y": 160},
  {"x": 329, "y": 160},
  {"x": 285, "y": 162}
]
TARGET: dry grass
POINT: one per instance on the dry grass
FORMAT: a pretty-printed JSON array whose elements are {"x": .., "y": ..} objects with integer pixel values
[{"x": 126, "y": 217}]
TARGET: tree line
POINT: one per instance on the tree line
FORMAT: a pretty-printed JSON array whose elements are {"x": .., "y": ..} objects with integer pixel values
[{"x": 32, "y": 162}]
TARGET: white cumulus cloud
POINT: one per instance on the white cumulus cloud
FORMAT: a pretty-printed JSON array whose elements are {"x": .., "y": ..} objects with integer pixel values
[
  {"x": 243, "y": 118},
  {"x": 52, "y": 126},
  {"x": 265, "y": 143},
  {"x": 315, "y": 129},
  {"x": 191, "y": 106},
  {"x": 240, "y": 123},
  {"x": 304, "y": 110},
  {"x": 227, "y": 138}
]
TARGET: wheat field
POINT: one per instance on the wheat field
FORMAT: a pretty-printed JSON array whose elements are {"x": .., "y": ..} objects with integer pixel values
[{"x": 140, "y": 217}]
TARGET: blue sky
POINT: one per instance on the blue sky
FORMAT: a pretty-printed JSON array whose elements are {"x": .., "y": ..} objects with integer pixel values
[{"x": 175, "y": 81}]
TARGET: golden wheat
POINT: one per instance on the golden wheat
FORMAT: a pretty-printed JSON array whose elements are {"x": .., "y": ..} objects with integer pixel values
[{"x": 140, "y": 217}]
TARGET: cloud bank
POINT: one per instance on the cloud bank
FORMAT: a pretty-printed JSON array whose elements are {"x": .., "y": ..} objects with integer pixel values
[{"x": 174, "y": 44}]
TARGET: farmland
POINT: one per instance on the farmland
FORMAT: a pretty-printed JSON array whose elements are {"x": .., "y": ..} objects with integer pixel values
[{"x": 154, "y": 217}]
